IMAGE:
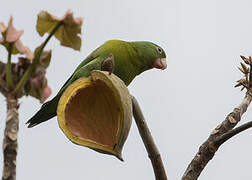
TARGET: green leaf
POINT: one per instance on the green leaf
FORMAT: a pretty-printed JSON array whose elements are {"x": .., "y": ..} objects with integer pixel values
[
  {"x": 45, "y": 57},
  {"x": 68, "y": 34}
]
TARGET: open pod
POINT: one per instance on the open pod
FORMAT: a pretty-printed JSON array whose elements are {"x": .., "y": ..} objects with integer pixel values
[{"x": 96, "y": 112}]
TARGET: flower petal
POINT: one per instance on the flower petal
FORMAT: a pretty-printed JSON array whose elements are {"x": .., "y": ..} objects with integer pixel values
[
  {"x": 24, "y": 50},
  {"x": 12, "y": 33},
  {"x": 47, "y": 92},
  {"x": 2, "y": 27}
]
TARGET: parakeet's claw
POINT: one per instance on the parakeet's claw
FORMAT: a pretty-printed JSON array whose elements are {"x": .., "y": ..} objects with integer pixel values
[
  {"x": 159, "y": 63},
  {"x": 108, "y": 64}
]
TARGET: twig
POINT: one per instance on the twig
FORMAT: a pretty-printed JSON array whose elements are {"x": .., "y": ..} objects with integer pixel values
[
  {"x": 220, "y": 140},
  {"x": 31, "y": 68},
  {"x": 208, "y": 148},
  {"x": 150, "y": 146},
  {"x": 10, "y": 139},
  {"x": 8, "y": 69}
]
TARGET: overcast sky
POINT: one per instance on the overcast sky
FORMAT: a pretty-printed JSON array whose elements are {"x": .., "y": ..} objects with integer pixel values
[{"x": 182, "y": 105}]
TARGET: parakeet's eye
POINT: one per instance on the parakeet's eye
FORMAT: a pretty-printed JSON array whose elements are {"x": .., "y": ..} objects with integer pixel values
[{"x": 159, "y": 50}]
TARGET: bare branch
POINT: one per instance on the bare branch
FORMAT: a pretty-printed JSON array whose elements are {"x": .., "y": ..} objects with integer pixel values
[
  {"x": 220, "y": 140},
  {"x": 208, "y": 148},
  {"x": 224, "y": 131},
  {"x": 150, "y": 146}
]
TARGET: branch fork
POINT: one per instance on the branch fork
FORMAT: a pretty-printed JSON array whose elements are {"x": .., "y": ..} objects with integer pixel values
[{"x": 225, "y": 130}]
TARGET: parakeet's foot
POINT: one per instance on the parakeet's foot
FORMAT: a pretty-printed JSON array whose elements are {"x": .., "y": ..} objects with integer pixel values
[{"x": 108, "y": 64}]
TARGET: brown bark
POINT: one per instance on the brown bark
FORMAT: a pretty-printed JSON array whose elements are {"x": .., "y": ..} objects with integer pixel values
[
  {"x": 211, "y": 145},
  {"x": 149, "y": 143},
  {"x": 10, "y": 139},
  {"x": 222, "y": 139}
]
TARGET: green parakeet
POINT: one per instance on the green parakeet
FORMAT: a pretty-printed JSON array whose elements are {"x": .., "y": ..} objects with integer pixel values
[{"x": 130, "y": 60}]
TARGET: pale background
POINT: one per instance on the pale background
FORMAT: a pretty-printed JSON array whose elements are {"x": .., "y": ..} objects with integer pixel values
[{"x": 203, "y": 40}]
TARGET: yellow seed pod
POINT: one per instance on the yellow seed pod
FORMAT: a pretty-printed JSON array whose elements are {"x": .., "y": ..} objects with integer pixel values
[{"x": 96, "y": 112}]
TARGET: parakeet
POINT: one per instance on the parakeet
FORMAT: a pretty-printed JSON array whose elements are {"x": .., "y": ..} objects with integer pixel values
[{"x": 129, "y": 60}]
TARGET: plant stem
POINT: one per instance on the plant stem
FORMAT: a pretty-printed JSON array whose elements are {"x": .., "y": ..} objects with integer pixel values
[
  {"x": 10, "y": 139},
  {"x": 149, "y": 143},
  {"x": 9, "y": 73},
  {"x": 35, "y": 61}
]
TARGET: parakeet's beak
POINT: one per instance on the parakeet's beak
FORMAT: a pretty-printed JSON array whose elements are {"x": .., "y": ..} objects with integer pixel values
[{"x": 159, "y": 63}]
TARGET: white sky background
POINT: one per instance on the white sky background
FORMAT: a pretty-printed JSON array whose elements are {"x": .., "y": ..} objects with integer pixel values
[{"x": 203, "y": 40}]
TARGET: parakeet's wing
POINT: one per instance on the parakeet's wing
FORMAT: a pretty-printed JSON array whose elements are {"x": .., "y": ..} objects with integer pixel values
[
  {"x": 49, "y": 109},
  {"x": 90, "y": 58}
]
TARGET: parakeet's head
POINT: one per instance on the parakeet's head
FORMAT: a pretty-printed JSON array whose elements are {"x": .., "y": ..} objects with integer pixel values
[{"x": 151, "y": 54}]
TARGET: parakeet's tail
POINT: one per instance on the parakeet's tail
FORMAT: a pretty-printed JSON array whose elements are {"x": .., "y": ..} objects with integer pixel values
[{"x": 46, "y": 112}]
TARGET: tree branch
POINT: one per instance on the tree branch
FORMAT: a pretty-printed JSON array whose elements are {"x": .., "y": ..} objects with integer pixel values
[
  {"x": 220, "y": 140},
  {"x": 208, "y": 148},
  {"x": 150, "y": 146},
  {"x": 10, "y": 139},
  {"x": 224, "y": 131}
]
